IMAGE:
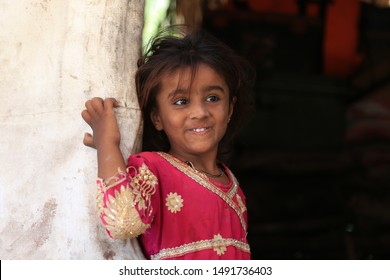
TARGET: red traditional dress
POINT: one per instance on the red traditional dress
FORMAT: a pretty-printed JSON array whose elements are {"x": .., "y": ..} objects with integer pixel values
[{"x": 179, "y": 212}]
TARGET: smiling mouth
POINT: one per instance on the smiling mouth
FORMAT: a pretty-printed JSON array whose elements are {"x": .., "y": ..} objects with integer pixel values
[{"x": 198, "y": 130}]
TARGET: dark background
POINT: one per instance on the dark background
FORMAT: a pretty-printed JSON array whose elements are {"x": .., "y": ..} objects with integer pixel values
[{"x": 314, "y": 161}]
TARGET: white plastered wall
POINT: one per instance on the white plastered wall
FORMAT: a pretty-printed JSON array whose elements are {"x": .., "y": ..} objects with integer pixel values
[{"x": 54, "y": 55}]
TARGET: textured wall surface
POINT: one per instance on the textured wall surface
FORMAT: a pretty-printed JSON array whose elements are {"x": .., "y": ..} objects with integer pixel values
[{"x": 54, "y": 55}]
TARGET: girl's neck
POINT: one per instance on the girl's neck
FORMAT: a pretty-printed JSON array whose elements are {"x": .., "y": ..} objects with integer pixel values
[{"x": 206, "y": 162}]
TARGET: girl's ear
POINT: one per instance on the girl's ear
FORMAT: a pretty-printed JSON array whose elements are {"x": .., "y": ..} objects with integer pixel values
[
  {"x": 231, "y": 106},
  {"x": 155, "y": 117}
]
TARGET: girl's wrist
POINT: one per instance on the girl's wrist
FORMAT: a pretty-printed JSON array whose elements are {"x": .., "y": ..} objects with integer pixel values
[
  {"x": 107, "y": 145},
  {"x": 109, "y": 160}
]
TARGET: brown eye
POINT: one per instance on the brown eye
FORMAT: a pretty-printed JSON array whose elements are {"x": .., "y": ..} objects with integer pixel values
[
  {"x": 213, "y": 98},
  {"x": 181, "y": 101}
]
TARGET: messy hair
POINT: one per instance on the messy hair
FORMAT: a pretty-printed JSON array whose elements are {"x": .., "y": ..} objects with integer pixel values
[{"x": 174, "y": 49}]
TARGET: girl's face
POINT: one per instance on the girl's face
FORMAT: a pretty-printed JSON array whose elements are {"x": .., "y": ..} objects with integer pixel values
[{"x": 193, "y": 116}]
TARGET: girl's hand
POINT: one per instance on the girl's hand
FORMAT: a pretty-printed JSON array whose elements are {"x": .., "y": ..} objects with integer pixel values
[{"x": 100, "y": 116}]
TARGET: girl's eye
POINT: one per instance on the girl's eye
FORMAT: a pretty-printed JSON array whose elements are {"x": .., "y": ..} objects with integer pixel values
[
  {"x": 181, "y": 101},
  {"x": 213, "y": 98}
]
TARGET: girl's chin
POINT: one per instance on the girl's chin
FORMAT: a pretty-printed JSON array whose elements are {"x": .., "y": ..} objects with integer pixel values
[{"x": 202, "y": 150}]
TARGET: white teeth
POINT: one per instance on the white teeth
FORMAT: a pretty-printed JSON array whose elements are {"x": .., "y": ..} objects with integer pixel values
[{"x": 199, "y": 129}]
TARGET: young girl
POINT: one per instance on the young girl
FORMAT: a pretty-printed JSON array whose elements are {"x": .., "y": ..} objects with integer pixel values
[{"x": 177, "y": 195}]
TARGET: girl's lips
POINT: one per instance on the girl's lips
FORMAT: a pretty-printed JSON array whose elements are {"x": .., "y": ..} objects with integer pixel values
[{"x": 199, "y": 129}]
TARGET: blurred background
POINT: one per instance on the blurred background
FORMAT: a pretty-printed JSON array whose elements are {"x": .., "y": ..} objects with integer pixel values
[{"x": 314, "y": 161}]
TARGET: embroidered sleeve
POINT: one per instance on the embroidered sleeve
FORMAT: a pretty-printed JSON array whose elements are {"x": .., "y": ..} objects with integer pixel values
[{"x": 124, "y": 201}]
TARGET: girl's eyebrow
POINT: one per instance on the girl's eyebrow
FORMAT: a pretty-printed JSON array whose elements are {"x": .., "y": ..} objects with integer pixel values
[
  {"x": 207, "y": 88},
  {"x": 213, "y": 87},
  {"x": 175, "y": 92}
]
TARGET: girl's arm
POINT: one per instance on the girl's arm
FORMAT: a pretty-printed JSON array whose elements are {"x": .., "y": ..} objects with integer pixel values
[
  {"x": 116, "y": 197},
  {"x": 100, "y": 116}
]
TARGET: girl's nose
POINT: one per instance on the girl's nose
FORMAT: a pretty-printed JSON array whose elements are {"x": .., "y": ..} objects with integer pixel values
[{"x": 198, "y": 110}]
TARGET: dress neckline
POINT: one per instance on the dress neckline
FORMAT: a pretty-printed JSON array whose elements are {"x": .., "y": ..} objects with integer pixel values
[{"x": 186, "y": 168}]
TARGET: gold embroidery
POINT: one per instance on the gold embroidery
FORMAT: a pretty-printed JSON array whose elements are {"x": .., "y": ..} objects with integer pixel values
[
  {"x": 144, "y": 186},
  {"x": 216, "y": 242},
  {"x": 174, "y": 202},
  {"x": 233, "y": 190},
  {"x": 205, "y": 183},
  {"x": 241, "y": 203},
  {"x": 218, "y": 245},
  {"x": 113, "y": 181},
  {"x": 102, "y": 188},
  {"x": 122, "y": 218}
]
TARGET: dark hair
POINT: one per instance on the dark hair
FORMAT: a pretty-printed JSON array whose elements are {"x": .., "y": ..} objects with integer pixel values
[{"x": 173, "y": 49}]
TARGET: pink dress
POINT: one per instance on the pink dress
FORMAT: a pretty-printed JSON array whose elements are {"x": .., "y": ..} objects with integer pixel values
[{"x": 178, "y": 212}]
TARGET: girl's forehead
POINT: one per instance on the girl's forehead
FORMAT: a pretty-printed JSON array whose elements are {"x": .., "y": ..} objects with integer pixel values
[{"x": 187, "y": 75}]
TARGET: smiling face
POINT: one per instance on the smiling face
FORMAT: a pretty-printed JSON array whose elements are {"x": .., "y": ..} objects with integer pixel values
[{"x": 194, "y": 115}]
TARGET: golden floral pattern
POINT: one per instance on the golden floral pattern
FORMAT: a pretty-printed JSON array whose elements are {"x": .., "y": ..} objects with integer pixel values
[
  {"x": 218, "y": 245},
  {"x": 174, "y": 202},
  {"x": 121, "y": 217},
  {"x": 119, "y": 207},
  {"x": 144, "y": 186}
]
